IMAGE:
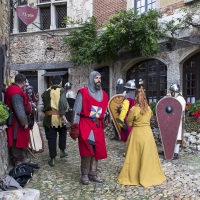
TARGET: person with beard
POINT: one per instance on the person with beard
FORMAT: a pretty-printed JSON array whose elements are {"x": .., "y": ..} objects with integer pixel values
[
  {"x": 18, "y": 131},
  {"x": 88, "y": 125}
]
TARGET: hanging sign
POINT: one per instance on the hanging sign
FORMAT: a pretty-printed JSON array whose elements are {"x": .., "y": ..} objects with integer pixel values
[{"x": 27, "y": 14}]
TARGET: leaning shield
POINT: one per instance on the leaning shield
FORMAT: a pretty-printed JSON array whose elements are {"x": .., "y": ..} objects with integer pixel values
[
  {"x": 114, "y": 107},
  {"x": 168, "y": 112}
]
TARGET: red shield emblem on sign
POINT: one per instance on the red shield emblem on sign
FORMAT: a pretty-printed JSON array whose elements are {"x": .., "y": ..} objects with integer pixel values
[{"x": 27, "y": 14}]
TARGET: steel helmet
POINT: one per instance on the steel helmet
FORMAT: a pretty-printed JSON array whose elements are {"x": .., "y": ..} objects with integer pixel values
[
  {"x": 130, "y": 85},
  {"x": 120, "y": 81},
  {"x": 27, "y": 83},
  {"x": 68, "y": 85},
  {"x": 174, "y": 88}
]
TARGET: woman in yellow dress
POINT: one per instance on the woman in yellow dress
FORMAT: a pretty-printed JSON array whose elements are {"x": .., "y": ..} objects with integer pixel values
[{"x": 142, "y": 165}]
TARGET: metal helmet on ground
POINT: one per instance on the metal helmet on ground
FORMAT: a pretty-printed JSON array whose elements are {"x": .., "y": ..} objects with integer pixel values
[
  {"x": 68, "y": 85},
  {"x": 174, "y": 88},
  {"x": 130, "y": 85}
]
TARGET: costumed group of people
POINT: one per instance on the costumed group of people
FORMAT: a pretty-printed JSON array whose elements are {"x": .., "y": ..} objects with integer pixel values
[{"x": 141, "y": 165}]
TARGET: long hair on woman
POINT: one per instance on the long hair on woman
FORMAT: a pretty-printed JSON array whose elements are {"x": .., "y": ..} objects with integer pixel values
[{"x": 141, "y": 100}]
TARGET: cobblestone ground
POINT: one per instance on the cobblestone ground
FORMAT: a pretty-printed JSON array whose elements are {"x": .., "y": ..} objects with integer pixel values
[{"x": 62, "y": 181}]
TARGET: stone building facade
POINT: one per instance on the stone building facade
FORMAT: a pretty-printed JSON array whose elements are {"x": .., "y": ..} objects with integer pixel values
[
  {"x": 41, "y": 53},
  {"x": 4, "y": 44}
]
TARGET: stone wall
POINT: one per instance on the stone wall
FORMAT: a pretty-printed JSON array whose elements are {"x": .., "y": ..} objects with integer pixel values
[
  {"x": 3, "y": 151},
  {"x": 4, "y": 40},
  {"x": 4, "y": 19},
  {"x": 26, "y": 48},
  {"x": 191, "y": 140}
]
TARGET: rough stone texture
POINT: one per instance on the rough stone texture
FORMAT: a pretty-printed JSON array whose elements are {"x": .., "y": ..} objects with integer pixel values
[
  {"x": 191, "y": 142},
  {"x": 4, "y": 19},
  {"x": 31, "y": 48},
  {"x": 169, "y": 7},
  {"x": 4, "y": 40},
  {"x": 62, "y": 182},
  {"x": 21, "y": 194},
  {"x": 3, "y": 151},
  {"x": 79, "y": 9}
]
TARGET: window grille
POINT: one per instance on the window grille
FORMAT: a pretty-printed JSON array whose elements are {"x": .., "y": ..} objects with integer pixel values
[
  {"x": 45, "y": 18},
  {"x": 153, "y": 74},
  {"x": 43, "y": 1},
  {"x": 61, "y": 13},
  {"x": 191, "y": 81},
  {"x": 22, "y": 2},
  {"x": 22, "y": 26},
  {"x": 144, "y": 5}
]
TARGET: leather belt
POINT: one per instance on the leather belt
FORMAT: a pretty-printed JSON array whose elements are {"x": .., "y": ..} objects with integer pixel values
[
  {"x": 52, "y": 112},
  {"x": 96, "y": 120}
]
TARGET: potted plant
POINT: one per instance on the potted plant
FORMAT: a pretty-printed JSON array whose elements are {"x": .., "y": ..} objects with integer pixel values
[
  {"x": 4, "y": 113},
  {"x": 194, "y": 109}
]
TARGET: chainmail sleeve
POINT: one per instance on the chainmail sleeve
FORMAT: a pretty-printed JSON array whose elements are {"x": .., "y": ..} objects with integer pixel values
[
  {"x": 18, "y": 106},
  {"x": 77, "y": 108}
]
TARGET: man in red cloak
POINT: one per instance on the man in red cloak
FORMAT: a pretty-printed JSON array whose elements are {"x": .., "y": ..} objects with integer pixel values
[
  {"x": 88, "y": 122},
  {"x": 18, "y": 131}
]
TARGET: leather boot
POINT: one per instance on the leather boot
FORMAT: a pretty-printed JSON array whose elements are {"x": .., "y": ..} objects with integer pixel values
[
  {"x": 93, "y": 171},
  {"x": 63, "y": 154},
  {"x": 51, "y": 162},
  {"x": 176, "y": 156},
  {"x": 85, "y": 168}
]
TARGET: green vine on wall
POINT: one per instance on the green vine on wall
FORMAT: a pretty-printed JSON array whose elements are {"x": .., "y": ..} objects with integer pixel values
[{"x": 125, "y": 31}]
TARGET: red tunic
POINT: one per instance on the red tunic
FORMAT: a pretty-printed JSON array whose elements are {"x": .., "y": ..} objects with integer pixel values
[
  {"x": 23, "y": 135},
  {"x": 92, "y": 109}
]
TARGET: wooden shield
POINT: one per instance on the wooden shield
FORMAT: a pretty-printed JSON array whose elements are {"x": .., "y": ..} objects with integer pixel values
[
  {"x": 168, "y": 112},
  {"x": 114, "y": 106},
  {"x": 36, "y": 143}
]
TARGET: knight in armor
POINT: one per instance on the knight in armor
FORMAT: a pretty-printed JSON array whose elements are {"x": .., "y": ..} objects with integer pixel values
[
  {"x": 30, "y": 93},
  {"x": 33, "y": 100},
  {"x": 127, "y": 104},
  {"x": 88, "y": 125},
  {"x": 120, "y": 86},
  {"x": 69, "y": 92},
  {"x": 174, "y": 90},
  {"x": 18, "y": 130},
  {"x": 70, "y": 95},
  {"x": 54, "y": 122},
  {"x": 119, "y": 90}
]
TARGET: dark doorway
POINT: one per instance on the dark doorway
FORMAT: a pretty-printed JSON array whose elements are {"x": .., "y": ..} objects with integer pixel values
[
  {"x": 104, "y": 71},
  {"x": 32, "y": 78}
]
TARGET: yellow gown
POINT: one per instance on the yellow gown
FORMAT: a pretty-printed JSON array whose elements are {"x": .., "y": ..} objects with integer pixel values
[{"x": 142, "y": 165}]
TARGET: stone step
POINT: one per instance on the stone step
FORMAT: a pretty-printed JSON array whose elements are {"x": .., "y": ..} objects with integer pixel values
[{"x": 21, "y": 194}]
